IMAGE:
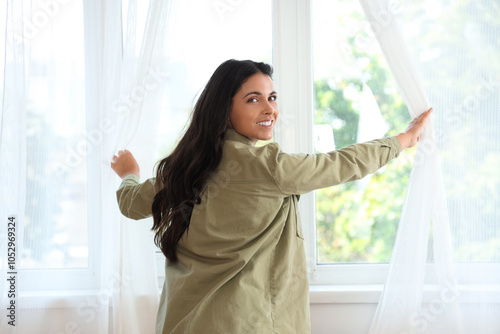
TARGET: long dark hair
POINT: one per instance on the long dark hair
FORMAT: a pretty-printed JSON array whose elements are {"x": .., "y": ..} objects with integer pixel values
[{"x": 181, "y": 176}]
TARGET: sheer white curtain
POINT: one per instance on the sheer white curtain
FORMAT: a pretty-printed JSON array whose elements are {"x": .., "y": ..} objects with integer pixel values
[
  {"x": 127, "y": 87},
  {"x": 444, "y": 273},
  {"x": 12, "y": 158},
  {"x": 83, "y": 102}
]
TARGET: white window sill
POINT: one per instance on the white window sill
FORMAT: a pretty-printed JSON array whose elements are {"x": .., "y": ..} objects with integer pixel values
[
  {"x": 319, "y": 294},
  {"x": 368, "y": 294},
  {"x": 344, "y": 294}
]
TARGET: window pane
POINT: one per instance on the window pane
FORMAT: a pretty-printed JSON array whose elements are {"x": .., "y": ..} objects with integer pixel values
[
  {"x": 55, "y": 230},
  {"x": 355, "y": 101}
]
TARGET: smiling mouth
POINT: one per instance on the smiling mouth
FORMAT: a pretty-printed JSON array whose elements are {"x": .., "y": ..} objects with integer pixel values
[{"x": 266, "y": 123}]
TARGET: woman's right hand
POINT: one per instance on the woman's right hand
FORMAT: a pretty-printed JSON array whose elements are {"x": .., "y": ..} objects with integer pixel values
[
  {"x": 124, "y": 163},
  {"x": 411, "y": 135}
]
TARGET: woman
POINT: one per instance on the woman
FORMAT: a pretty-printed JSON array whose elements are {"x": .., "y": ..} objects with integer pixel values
[{"x": 225, "y": 211}]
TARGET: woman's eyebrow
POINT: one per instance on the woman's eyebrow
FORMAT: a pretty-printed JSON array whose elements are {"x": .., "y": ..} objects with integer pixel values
[
  {"x": 251, "y": 93},
  {"x": 259, "y": 93}
]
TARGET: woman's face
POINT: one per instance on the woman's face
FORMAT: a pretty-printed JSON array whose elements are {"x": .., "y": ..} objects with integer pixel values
[{"x": 254, "y": 111}]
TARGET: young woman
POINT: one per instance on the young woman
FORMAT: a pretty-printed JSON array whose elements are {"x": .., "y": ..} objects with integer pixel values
[{"x": 225, "y": 211}]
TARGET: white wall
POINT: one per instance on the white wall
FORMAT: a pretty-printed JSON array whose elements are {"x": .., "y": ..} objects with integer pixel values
[
  {"x": 325, "y": 319},
  {"x": 86, "y": 315}
]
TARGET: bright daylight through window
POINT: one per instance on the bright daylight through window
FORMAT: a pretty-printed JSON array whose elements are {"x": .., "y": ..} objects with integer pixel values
[
  {"x": 195, "y": 54},
  {"x": 55, "y": 226},
  {"x": 355, "y": 101}
]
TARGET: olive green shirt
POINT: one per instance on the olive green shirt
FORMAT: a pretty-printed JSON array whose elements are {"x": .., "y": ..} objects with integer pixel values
[{"x": 242, "y": 266}]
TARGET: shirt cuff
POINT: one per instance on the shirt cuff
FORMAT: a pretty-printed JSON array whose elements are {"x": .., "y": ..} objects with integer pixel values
[
  {"x": 395, "y": 144},
  {"x": 131, "y": 177}
]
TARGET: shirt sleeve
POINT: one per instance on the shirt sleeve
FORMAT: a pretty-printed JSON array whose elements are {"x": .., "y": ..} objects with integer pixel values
[
  {"x": 135, "y": 199},
  {"x": 302, "y": 173}
]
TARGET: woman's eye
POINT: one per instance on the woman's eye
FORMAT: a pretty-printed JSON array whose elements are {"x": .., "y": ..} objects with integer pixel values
[
  {"x": 273, "y": 98},
  {"x": 253, "y": 99}
]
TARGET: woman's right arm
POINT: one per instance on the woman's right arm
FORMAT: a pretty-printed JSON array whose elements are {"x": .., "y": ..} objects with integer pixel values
[
  {"x": 411, "y": 135},
  {"x": 134, "y": 199}
]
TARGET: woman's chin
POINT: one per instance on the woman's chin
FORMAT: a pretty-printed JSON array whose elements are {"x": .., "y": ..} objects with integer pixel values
[{"x": 266, "y": 138}]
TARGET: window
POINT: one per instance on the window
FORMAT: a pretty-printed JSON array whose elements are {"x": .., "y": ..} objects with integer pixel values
[
  {"x": 54, "y": 231},
  {"x": 355, "y": 101},
  {"x": 350, "y": 72},
  {"x": 320, "y": 102},
  {"x": 328, "y": 72}
]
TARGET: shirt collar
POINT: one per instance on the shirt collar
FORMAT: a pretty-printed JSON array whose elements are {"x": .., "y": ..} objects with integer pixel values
[{"x": 231, "y": 134}]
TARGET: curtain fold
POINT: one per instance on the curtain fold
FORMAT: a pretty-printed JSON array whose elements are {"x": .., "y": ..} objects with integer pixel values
[
  {"x": 437, "y": 249},
  {"x": 381, "y": 16},
  {"x": 402, "y": 297},
  {"x": 130, "y": 88}
]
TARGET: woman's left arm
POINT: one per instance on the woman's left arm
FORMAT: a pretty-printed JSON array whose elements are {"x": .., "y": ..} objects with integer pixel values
[
  {"x": 297, "y": 174},
  {"x": 301, "y": 173}
]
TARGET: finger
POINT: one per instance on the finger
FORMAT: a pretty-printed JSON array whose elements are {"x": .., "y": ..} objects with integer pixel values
[
  {"x": 423, "y": 116},
  {"x": 427, "y": 114},
  {"x": 119, "y": 153}
]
